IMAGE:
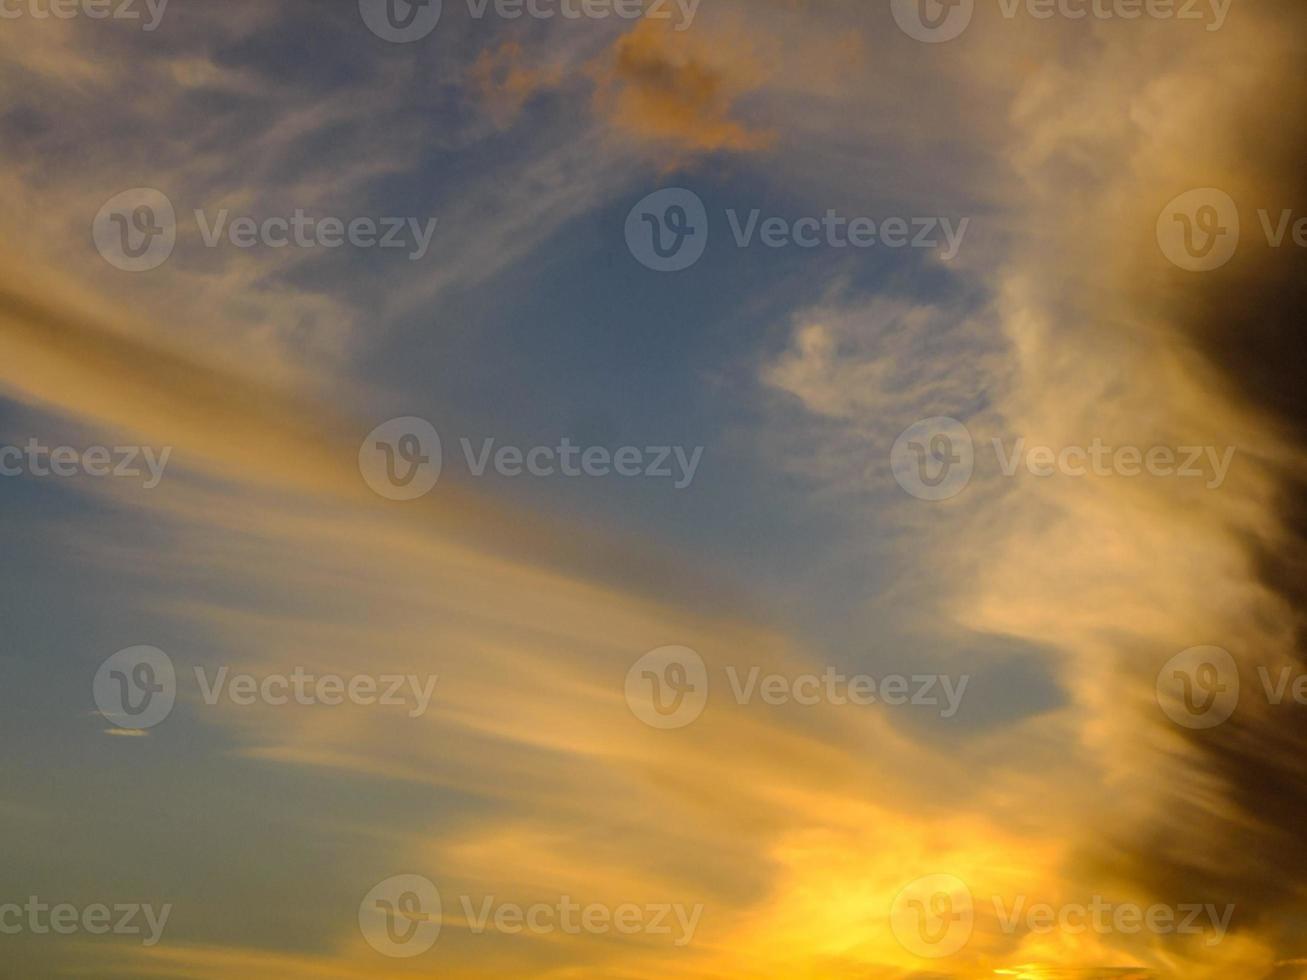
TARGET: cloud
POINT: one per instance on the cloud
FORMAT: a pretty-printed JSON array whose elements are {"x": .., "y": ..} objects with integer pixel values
[
  {"x": 285, "y": 559},
  {"x": 1100, "y": 337},
  {"x": 505, "y": 82},
  {"x": 530, "y": 776},
  {"x": 660, "y": 88}
]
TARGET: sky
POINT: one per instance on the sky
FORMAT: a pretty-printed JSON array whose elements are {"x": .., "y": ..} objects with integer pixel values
[{"x": 759, "y": 489}]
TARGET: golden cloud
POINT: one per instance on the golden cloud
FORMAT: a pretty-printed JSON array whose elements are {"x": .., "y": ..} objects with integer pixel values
[{"x": 657, "y": 87}]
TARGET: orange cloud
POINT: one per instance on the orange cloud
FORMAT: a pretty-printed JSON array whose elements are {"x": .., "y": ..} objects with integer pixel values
[
  {"x": 505, "y": 83},
  {"x": 657, "y": 87}
]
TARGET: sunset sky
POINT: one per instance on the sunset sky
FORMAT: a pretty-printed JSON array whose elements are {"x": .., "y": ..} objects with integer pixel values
[{"x": 626, "y": 681}]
